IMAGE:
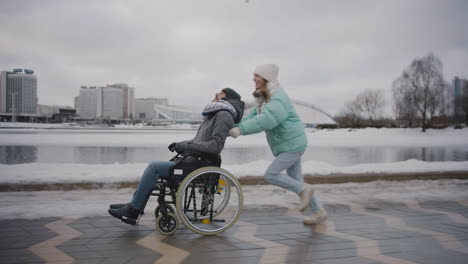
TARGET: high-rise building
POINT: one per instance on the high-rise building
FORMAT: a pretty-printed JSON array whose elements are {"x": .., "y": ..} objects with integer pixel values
[
  {"x": 18, "y": 92},
  {"x": 76, "y": 102},
  {"x": 144, "y": 108},
  {"x": 112, "y": 106},
  {"x": 460, "y": 87},
  {"x": 112, "y": 102},
  {"x": 3, "y": 88},
  {"x": 460, "y": 91},
  {"x": 90, "y": 102},
  {"x": 128, "y": 99}
]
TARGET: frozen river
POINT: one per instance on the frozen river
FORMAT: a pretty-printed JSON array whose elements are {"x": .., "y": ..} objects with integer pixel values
[
  {"x": 336, "y": 147},
  {"x": 339, "y": 156}
]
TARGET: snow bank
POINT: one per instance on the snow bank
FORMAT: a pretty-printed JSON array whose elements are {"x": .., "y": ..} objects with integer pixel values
[
  {"x": 75, "y": 204},
  {"x": 111, "y": 173},
  {"x": 34, "y": 125},
  {"x": 370, "y": 192}
]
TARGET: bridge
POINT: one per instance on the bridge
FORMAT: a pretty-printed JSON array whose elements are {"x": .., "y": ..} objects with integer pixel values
[
  {"x": 314, "y": 115},
  {"x": 310, "y": 114}
]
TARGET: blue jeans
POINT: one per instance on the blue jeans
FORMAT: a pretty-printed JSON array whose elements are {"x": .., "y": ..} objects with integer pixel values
[
  {"x": 294, "y": 180},
  {"x": 151, "y": 175}
]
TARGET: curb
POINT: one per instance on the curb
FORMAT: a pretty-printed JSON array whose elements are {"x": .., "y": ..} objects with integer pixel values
[{"x": 247, "y": 180}]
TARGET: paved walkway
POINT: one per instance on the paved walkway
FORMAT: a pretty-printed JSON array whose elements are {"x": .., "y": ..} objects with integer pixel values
[{"x": 430, "y": 232}]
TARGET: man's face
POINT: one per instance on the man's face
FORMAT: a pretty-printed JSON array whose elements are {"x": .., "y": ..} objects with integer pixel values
[{"x": 219, "y": 96}]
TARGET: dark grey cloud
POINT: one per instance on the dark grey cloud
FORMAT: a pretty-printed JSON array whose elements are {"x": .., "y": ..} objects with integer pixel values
[{"x": 328, "y": 51}]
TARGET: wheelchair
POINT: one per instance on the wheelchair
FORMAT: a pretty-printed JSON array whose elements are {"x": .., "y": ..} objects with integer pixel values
[{"x": 207, "y": 199}]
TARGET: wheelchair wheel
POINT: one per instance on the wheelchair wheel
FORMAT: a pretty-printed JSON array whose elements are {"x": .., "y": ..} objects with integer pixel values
[
  {"x": 209, "y": 200},
  {"x": 157, "y": 211},
  {"x": 167, "y": 225}
]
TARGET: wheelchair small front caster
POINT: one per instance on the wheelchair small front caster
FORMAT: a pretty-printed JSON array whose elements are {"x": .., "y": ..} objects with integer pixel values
[
  {"x": 157, "y": 211},
  {"x": 167, "y": 225}
]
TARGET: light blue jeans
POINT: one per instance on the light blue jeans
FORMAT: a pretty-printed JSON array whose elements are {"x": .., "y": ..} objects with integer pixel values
[
  {"x": 294, "y": 180},
  {"x": 153, "y": 172}
]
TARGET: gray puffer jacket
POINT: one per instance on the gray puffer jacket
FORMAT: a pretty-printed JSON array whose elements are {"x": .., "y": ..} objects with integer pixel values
[{"x": 214, "y": 130}]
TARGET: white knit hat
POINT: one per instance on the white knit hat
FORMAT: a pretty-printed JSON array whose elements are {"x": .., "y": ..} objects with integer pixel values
[{"x": 268, "y": 72}]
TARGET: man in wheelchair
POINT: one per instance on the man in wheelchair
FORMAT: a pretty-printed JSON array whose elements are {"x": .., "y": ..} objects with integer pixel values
[{"x": 220, "y": 115}]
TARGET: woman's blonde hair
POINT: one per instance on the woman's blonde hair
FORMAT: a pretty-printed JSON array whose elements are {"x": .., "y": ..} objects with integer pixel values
[{"x": 262, "y": 92}]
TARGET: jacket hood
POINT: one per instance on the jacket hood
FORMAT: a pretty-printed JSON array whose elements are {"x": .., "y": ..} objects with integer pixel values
[{"x": 239, "y": 106}]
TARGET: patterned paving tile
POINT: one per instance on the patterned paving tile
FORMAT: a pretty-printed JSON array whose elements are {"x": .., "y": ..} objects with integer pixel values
[
  {"x": 16, "y": 236},
  {"x": 432, "y": 232}
]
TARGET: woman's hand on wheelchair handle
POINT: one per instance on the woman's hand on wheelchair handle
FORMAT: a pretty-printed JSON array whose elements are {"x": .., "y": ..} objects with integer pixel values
[{"x": 235, "y": 132}]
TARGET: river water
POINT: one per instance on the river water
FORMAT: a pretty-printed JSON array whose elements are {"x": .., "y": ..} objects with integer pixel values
[{"x": 232, "y": 154}]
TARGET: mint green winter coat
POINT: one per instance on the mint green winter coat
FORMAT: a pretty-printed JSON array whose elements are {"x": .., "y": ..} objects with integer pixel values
[{"x": 281, "y": 123}]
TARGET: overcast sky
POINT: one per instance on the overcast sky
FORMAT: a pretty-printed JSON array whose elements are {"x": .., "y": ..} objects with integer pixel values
[{"x": 328, "y": 51}]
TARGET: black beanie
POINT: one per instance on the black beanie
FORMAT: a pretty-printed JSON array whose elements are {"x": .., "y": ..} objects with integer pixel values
[{"x": 231, "y": 94}]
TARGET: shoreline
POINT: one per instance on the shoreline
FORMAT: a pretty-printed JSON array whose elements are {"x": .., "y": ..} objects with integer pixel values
[{"x": 245, "y": 180}]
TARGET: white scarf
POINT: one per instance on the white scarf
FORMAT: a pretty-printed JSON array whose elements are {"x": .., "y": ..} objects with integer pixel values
[{"x": 216, "y": 106}]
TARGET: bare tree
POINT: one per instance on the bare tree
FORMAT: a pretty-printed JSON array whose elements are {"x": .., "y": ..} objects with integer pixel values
[
  {"x": 371, "y": 103},
  {"x": 422, "y": 82},
  {"x": 436, "y": 101},
  {"x": 365, "y": 107},
  {"x": 403, "y": 107},
  {"x": 353, "y": 110}
]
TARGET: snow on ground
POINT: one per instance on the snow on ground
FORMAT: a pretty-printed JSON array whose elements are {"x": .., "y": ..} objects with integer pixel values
[
  {"x": 111, "y": 173},
  {"x": 83, "y": 203},
  {"x": 329, "y": 138}
]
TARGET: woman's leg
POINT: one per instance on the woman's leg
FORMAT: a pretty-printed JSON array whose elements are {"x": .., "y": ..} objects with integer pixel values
[
  {"x": 151, "y": 175},
  {"x": 295, "y": 172},
  {"x": 282, "y": 162}
]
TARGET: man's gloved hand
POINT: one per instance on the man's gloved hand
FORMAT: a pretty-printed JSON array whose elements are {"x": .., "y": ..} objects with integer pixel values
[
  {"x": 172, "y": 146},
  {"x": 180, "y": 147},
  {"x": 235, "y": 132}
]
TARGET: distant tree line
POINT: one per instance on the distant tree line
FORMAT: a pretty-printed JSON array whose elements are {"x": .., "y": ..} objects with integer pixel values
[{"x": 421, "y": 98}]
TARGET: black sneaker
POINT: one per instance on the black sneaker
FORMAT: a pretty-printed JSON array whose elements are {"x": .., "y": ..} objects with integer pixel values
[
  {"x": 117, "y": 206},
  {"x": 127, "y": 214}
]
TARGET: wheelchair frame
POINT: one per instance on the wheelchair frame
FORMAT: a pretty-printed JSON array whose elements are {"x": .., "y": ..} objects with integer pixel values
[{"x": 165, "y": 212}]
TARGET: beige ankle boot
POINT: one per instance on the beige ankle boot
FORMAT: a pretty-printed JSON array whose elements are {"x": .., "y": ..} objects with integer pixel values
[
  {"x": 316, "y": 218},
  {"x": 306, "y": 196}
]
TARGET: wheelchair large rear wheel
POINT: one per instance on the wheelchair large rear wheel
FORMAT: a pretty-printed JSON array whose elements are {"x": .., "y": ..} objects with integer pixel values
[{"x": 209, "y": 200}]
